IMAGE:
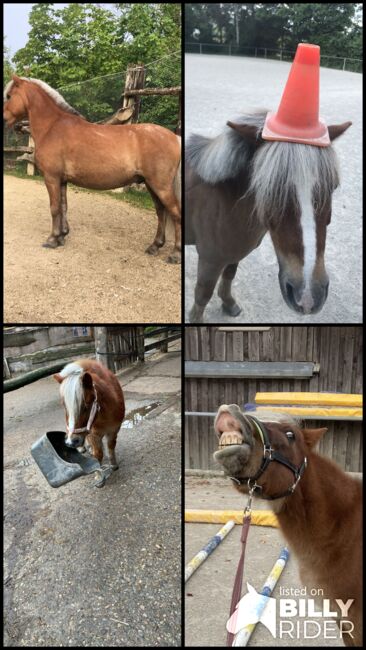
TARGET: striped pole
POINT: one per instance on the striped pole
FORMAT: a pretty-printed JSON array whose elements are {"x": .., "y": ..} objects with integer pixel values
[
  {"x": 207, "y": 550},
  {"x": 243, "y": 636}
]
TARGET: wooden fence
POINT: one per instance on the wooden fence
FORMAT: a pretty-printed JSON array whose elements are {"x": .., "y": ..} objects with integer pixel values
[
  {"x": 31, "y": 353},
  {"x": 335, "y": 351},
  {"x": 28, "y": 348}
]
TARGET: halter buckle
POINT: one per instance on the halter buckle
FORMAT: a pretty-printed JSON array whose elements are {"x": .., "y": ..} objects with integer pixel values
[{"x": 267, "y": 452}]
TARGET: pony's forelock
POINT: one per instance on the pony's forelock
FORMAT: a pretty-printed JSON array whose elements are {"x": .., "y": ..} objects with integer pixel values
[
  {"x": 280, "y": 169},
  {"x": 275, "y": 170},
  {"x": 72, "y": 390}
]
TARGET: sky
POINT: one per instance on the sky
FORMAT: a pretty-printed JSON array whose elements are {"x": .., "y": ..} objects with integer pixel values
[{"x": 16, "y": 24}]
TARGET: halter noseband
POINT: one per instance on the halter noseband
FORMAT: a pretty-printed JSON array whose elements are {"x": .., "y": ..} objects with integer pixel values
[
  {"x": 269, "y": 455},
  {"x": 92, "y": 415}
]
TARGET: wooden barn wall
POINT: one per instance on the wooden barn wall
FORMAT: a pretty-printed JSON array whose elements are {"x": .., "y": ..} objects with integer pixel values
[{"x": 338, "y": 350}]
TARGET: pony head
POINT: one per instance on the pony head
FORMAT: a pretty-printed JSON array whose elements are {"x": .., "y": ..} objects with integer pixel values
[{"x": 78, "y": 396}]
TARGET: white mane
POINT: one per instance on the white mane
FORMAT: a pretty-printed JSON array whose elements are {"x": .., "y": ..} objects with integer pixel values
[
  {"x": 72, "y": 391},
  {"x": 57, "y": 98},
  {"x": 275, "y": 171}
]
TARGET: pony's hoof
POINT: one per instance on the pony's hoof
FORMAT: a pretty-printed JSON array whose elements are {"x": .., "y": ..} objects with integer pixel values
[
  {"x": 152, "y": 250},
  {"x": 51, "y": 243},
  {"x": 174, "y": 258},
  {"x": 195, "y": 316},
  {"x": 232, "y": 310}
]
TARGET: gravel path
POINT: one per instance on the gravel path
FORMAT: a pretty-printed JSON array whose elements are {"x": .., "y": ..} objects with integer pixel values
[{"x": 220, "y": 87}]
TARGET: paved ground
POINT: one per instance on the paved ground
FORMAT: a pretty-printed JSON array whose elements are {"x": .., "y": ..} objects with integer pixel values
[
  {"x": 217, "y": 89},
  {"x": 208, "y": 592},
  {"x": 96, "y": 567}
]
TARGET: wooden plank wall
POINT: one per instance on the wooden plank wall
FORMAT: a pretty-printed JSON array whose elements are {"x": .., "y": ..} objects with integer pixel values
[
  {"x": 122, "y": 340},
  {"x": 338, "y": 350}
]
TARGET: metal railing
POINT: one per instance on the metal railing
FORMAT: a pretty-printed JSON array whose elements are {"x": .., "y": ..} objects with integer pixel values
[{"x": 339, "y": 62}]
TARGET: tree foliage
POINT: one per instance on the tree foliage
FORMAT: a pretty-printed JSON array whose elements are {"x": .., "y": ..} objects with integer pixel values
[
  {"x": 336, "y": 27},
  {"x": 82, "y": 41}
]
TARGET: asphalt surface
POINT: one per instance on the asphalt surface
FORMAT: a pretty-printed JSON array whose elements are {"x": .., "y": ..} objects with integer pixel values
[
  {"x": 218, "y": 88},
  {"x": 96, "y": 567},
  {"x": 208, "y": 591}
]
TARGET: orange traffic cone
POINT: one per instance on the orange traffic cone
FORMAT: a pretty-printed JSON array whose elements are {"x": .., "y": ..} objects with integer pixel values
[{"x": 297, "y": 118}]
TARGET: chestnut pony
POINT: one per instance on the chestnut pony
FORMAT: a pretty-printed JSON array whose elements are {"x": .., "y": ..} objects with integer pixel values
[
  {"x": 96, "y": 156},
  {"x": 319, "y": 507},
  {"x": 238, "y": 187},
  {"x": 94, "y": 405}
]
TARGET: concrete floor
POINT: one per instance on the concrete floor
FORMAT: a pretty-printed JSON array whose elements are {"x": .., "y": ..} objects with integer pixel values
[
  {"x": 208, "y": 591},
  {"x": 218, "y": 88},
  {"x": 87, "y": 566}
]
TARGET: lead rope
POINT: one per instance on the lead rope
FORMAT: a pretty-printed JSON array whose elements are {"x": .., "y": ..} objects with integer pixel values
[{"x": 235, "y": 597}]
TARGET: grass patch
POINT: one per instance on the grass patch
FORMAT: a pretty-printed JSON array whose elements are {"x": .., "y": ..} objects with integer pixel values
[{"x": 140, "y": 199}]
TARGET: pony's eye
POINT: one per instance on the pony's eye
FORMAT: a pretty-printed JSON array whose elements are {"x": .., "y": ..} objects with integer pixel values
[{"x": 290, "y": 435}]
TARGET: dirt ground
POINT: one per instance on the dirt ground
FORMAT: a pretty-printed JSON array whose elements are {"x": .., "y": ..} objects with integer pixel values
[{"x": 102, "y": 274}]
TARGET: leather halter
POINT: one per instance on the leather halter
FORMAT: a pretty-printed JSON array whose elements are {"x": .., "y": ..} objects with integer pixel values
[
  {"x": 269, "y": 455},
  {"x": 95, "y": 407}
]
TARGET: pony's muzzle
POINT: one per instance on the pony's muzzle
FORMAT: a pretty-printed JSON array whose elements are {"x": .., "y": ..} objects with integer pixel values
[
  {"x": 304, "y": 300},
  {"x": 74, "y": 441}
]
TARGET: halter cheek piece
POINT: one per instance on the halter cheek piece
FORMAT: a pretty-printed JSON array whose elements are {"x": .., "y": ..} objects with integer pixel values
[
  {"x": 92, "y": 415},
  {"x": 269, "y": 455}
]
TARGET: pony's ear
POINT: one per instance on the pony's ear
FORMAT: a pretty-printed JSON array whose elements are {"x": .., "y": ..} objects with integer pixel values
[
  {"x": 335, "y": 130},
  {"x": 87, "y": 380},
  {"x": 247, "y": 131},
  {"x": 312, "y": 436},
  {"x": 17, "y": 80},
  {"x": 58, "y": 378}
]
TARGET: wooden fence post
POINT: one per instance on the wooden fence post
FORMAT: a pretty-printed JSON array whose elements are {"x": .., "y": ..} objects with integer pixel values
[
  {"x": 164, "y": 341},
  {"x": 135, "y": 80},
  {"x": 101, "y": 347},
  {"x": 30, "y": 166},
  {"x": 140, "y": 343}
]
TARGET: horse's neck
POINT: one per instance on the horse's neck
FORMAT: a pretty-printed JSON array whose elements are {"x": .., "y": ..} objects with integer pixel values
[
  {"x": 42, "y": 112},
  {"x": 324, "y": 491}
]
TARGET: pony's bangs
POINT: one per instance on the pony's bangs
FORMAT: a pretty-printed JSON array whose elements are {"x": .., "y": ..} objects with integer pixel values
[{"x": 280, "y": 168}]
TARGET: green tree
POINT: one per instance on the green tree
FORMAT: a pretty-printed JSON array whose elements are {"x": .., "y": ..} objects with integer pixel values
[
  {"x": 82, "y": 41},
  {"x": 7, "y": 66},
  {"x": 336, "y": 27}
]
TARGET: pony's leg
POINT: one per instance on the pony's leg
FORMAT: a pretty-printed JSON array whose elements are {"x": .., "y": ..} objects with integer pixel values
[
  {"x": 229, "y": 304},
  {"x": 54, "y": 192},
  {"x": 207, "y": 276},
  {"x": 64, "y": 223},
  {"x": 96, "y": 444},
  {"x": 159, "y": 240},
  {"x": 112, "y": 441},
  {"x": 172, "y": 205}
]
